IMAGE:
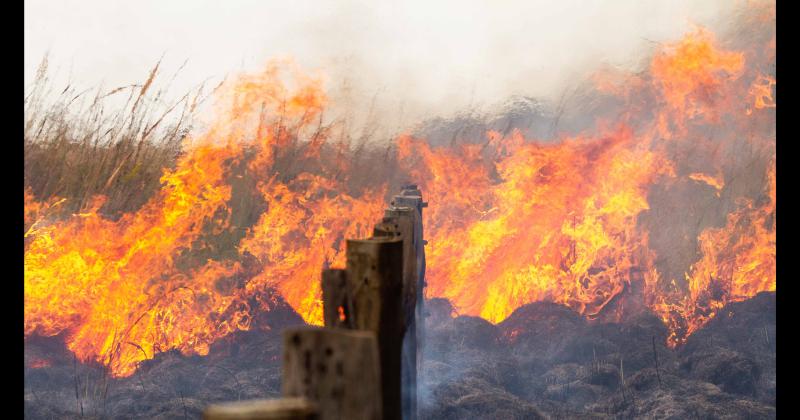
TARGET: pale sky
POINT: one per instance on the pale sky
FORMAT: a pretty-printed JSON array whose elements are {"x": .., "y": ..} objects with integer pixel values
[{"x": 426, "y": 57}]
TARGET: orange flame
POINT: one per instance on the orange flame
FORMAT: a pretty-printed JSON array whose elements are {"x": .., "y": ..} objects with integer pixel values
[
  {"x": 127, "y": 289},
  {"x": 691, "y": 75},
  {"x": 738, "y": 261},
  {"x": 39, "y": 363},
  {"x": 558, "y": 225},
  {"x": 761, "y": 91},
  {"x": 262, "y": 201},
  {"x": 717, "y": 182}
]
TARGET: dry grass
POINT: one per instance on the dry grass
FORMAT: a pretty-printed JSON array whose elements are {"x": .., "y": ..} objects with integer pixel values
[
  {"x": 81, "y": 143},
  {"x": 117, "y": 143}
]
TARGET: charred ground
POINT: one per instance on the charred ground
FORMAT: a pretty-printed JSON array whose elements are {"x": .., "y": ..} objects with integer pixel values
[{"x": 544, "y": 361}]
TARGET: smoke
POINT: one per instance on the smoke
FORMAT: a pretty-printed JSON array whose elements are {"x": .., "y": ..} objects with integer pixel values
[{"x": 393, "y": 62}]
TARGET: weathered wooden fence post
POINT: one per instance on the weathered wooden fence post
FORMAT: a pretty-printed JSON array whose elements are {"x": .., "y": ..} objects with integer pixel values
[
  {"x": 375, "y": 276},
  {"x": 410, "y": 198},
  {"x": 399, "y": 223},
  {"x": 365, "y": 364},
  {"x": 337, "y": 369}
]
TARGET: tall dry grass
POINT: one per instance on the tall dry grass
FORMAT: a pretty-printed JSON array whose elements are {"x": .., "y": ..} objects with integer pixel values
[{"x": 115, "y": 142}]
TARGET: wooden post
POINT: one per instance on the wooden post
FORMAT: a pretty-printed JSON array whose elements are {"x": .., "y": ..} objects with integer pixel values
[
  {"x": 278, "y": 409},
  {"x": 335, "y": 368},
  {"x": 411, "y": 198},
  {"x": 399, "y": 223},
  {"x": 375, "y": 276},
  {"x": 336, "y": 301},
  {"x": 364, "y": 366}
]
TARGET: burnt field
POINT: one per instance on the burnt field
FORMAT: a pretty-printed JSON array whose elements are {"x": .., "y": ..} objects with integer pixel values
[{"x": 544, "y": 361}]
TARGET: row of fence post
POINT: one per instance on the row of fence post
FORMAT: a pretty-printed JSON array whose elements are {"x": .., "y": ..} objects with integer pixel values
[{"x": 363, "y": 364}]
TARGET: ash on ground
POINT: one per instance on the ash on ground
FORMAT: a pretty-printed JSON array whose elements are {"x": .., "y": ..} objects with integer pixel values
[{"x": 544, "y": 361}]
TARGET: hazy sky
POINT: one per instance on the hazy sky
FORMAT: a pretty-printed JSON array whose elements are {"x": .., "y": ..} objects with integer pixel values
[{"x": 424, "y": 56}]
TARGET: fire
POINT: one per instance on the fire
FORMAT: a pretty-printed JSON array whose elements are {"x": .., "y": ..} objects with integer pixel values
[
  {"x": 738, "y": 261},
  {"x": 558, "y": 224},
  {"x": 690, "y": 76},
  {"x": 302, "y": 232},
  {"x": 262, "y": 200},
  {"x": 36, "y": 212},
  {"x": 127, "y": 289},
  {"x": 39, "y": 363},
  {"x": 761, "y": 92},
  {"x": 558, "y": 221},
  {"x": 717, "y": 182}
]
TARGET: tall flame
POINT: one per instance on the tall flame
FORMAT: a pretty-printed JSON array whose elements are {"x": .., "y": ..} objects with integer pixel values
[
  {"x": 261, "y": 201},
  {"x": 737, "y": 262},
  {"x": 127, "y": 289},
  {"x": 559, "y": 224}
]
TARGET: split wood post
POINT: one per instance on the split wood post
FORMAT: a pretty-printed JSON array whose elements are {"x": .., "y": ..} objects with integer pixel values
[
  {"x": 375, "y": 276},
  {"x": 336, "y": 301},
  {"x": 337, "y": 369},
  {"x": 277, "y": 409},
  {"x": 399, "y": 223},
  {"x": 411, "y": 197}
]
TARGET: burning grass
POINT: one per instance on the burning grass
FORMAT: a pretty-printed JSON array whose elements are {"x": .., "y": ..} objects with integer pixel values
[
  {"x": 79, "y": 144},
  {"x": 145, "y": 237}
]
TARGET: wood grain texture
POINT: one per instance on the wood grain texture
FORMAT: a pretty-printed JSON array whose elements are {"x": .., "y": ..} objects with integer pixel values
[
  {"x": 375, "y": 275},
  {"x": 337, "y": 369}
]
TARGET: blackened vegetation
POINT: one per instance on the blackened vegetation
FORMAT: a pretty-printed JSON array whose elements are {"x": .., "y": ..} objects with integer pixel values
[
  {"x": 544, "y": 361},
  {"x": 243, "y": 365}
]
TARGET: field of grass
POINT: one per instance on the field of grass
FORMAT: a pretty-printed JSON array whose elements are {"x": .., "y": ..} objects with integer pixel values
[{"x": 77, "y": 145}]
